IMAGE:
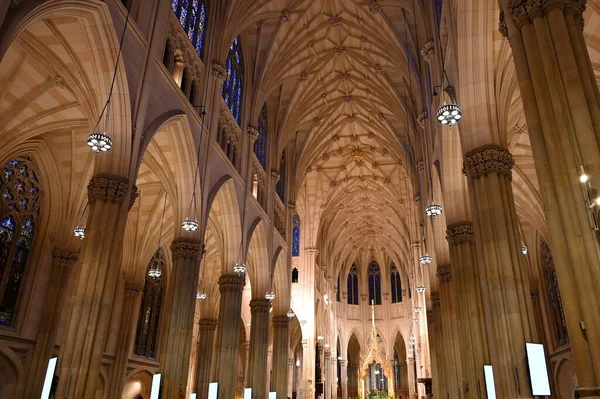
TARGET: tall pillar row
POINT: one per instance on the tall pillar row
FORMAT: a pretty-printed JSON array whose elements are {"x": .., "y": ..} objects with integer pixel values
[
  {"x": 228, "y": 334},
  {"x": 437, "y": 347},
  {"x": 450, "y": 329},
  {"x": 281, "y": 365},
  {"x": 259, "y": 347},
  {"x": 561, "y": 103},
  {"x": 206, "y": 339}
]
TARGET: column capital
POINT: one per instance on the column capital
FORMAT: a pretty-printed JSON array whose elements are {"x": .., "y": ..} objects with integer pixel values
[
  {"x": 460, "y": 232},
  {"x": 133, "y": 289},
  {"x": 207, "y": 324},
  {"x": 343, "y": 362},
  {"x": 488, "y": 159},
  {"x": 428, "y": 50},
  {"x": 444, "y": 273},
  {"x": 435, "y": 299},
  {"x": 64, "y": 257},
  {"x": 107, "y": 188},
  {"x": 231, "y": 282},
  {"x": 275, "y": 176},
  {"x": 219, "y": 71},
  {"x": 252, "y": 133},
  {"x": 187, "y": 248},
  {"x": 311, "y": 251},
  {"x": 535, "y": 293},
  {"x": 134, "y": 195},
  {"x": 281, "y": 322},
  {"x": 260, "y": 305},
  {"x": 422, "y": 118},
  {"x": 420, "y": 166}
]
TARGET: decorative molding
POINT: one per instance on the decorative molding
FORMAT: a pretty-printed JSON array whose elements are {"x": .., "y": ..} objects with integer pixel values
[
  {"x": 260, "y": 305},
  {"x": 207, "y": 324},
  {"x": 460, "y": 232},
  {"x": 420, "y": 166},
  {"x": 281, "y": 322},
  {"x": 219, "y": 71},
  {"x": 311, "y": 251},
  {"x": 428, "y": 50},
  {"x": 374, "y": 7},
  {"x": 502, "y": 28},
  {"x": 343, "y": 362},
  {"x": 535, "y": 293},
  {"x": 444, "y": 273},
  {"x": 275, "y": 176},
  {"x": 488, "y": 159},
  {"x": 252, "y": 133},
  {"x": 64, "y": 257},
  {"x": 285, "y": 16},
  {"x": 435, "y": 299},
  {"x": 231, "y": 282},
  {"x": 423, "y": 118},
  {"x": 186, "y": 248},
  {"x": 133, "y": 289},
  {"x": 107, "y": 188},
  {"x": 134, "y": 194}
]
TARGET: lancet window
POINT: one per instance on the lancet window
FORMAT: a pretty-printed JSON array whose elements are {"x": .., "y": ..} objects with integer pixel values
[
  {"x": 353, "y": 285},
  {"x": 21, "y": 200},
  {"x": 146, "y": 335},
  {"x": 296, "y": 236},
  {"x": 396, "y": 284},
  {"x": 233, "y": 87},
  {"x": 374, "y": 283},
  {"x": 192, "y": 15}
]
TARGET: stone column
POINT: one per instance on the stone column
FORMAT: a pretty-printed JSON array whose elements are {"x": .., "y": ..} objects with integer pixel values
[
  {"x": 177, "y": 349},
  {"x": 228, "y": 334},
  {"x": 206, "y": 338},
  {"x": 503, "y": 273},
  {"x": 259, "y": 346},
  {"x": 437, "y": 348},
  {"x": 281, "y": 339},
  {"x": 94, "y": 293},
  {"x": 327, "y": 374},
  {"x": 344, "y": 377},
  {"x": 129, "y": 319},
  {"x": 62, "y": 265},
  {"x": 412, "y": 378},
  {"x": 551, "y": 57},
  {"x": 471, "y": 332},
  {"x": 452, "y": 355}
]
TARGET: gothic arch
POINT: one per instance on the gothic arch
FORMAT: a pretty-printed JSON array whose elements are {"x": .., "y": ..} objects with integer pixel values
[{"x": 258, "y": 263}]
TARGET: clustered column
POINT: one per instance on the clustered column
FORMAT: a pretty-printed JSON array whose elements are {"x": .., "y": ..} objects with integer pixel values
[
  {"x": 344, "y": 377},
  {"x": 175, "y": 358},
  {"x": 206, "y": 337},
  {"x": 437, "y": 348},
  {"x": 228, "y": 334},
  {"x": 561, "y": 103},
  {"x": 259, "y": 346},
  {"x": 471, "y": 334},
  {"x": 503, "y": 274},
  {"x": 281, "y": 332}
]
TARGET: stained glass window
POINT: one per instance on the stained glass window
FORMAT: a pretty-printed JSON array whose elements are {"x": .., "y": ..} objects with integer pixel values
[
  {"x": 192, "y": 16},
  {"x": 554, "y": 298},
  {"x": 353, "y": 285},
  {"x": 296, "y": 236},
  {"x": 280, "y": 187},
  {"x": 374, "y": 283},
  {"x": 233, "y": 86},
  {"x": 21, "y": 197},
  {"x": 396, "y": 284},
  {"x": 260, "y": 145},
  {"x": 146, "y": 335}
]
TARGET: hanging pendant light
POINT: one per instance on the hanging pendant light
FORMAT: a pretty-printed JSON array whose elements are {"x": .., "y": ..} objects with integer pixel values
[
  {"x": 524, "y": 249},
  {"x": 79, "y": 232},
  {"x": 99, "y": 142},
  {"x": 155, "y": 271},
  {"x": 189, "y": 225},
  {"x": 416, "y": 320},
  {"x": 433, "y": 210},
  {"x": 270, "y": 295},
  {"x": 201, "y": 295},
  {"x": 449, "y": 114},
  {"x": 239, "y": 268},
  {"x": 421, "y": 289},
  {"x": 291, "y": 314},
  {"x": 425, "y": 259},
  {"x": 417, "y": 309}
]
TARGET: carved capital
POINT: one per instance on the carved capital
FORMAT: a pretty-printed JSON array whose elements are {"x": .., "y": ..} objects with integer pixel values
[
  {"x": 285, "y": 16},
  {"x": 374, "y": 7},
  {"x": 107, "y": 188},
  {"x": 292, "y": 207},
  {"x": 252, "y": 133},
  {"x": 502, "y": 28},
  {"x": 420, "y": 166},
  {"x": 422, "y": 118},
  {"x": 311, "y": 251},
  {"x": 535, "y": 293},
  {"x": 576, "y": 8},
  {"x": 488, "y": 159},
  {"x": 260, "y": 305},
  {"x": 281, "y": 322},
  {"x": 428, "y": 50},
  {"x": 343, "y": 362},
  {"x": 134, "y": 195},
  {"x": 219, "y": 71},
  {"x": 417, "y": 199},
  {"x": 444, "y": 273},
  {"x": 435, "y": 299},
  {"x": 207, "y": 324},
  {"x": 275, "y": 176},
  {"x": 133, "y": 289},
  {"x": 231, "y": 282},
  {"x": 460, "y": 232},
  {"x": 187, "y": 248},
  {"x": 64, "y": 257}
]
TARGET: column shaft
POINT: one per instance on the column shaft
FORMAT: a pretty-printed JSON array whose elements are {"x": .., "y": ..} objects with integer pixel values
[
  {"x": 452, "y": 358},
  {"x": 228, "y": 334},
  {"x": 94, "y": 293},
  {"x": 344, "y": 377},
  {"x": 259, "y": 347},
  {"x": 281, "y": 332},
  {"x": 206, "y": 338},
  {"x": 437, "y": 351}
]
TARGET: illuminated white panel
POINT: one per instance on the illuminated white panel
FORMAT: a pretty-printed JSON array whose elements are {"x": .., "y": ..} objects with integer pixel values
[
  {"x": 272, "y": 395},
  {"x": 155, "y": 386},
  {"x": 192, "y": 396},
  {"x": 538, "y": 371},
  {"x": 49, "y": 378},
  {"x": 490, "y": 387},
  {"x": 212, "y": 390},
  {"x": 247, "y": 393}
]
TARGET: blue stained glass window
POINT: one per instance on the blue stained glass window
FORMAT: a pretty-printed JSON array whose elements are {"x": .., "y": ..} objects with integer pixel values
[
  {"x": 260, "y": 145},
  {"x": 396, "y": 284},
  {"x": 296, "y": 237},
  {"x": 353, "y": 285},
  {"x": 234, "y": 83},
  {"x": 192, "y": 16},
  {"x": 374, "y": 283},
  {"x": 280, "y": 187}
]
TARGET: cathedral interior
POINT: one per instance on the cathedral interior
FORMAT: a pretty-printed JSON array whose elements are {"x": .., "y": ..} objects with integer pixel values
[{"x": 299, "y": 199}]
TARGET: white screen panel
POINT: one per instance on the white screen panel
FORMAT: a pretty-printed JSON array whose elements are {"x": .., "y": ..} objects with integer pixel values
[
  {"x": 49, "y": 378},
  {"x": 212, "y": 390},
  {"x": 155, "y": 386},
  {"x": 490, "y": 387},
  {"x": 538, "y": 371}
]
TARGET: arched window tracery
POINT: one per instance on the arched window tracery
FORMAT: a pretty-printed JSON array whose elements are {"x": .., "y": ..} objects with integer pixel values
[
  {"x": 296, "y": 236},
  {"x": 374, "y": 283},
  {"x": 260, "y": 145},
  {"x": 554, "y": 297},
  {"x": 396, "y": 284},
  {"x": 234, "y": 82},
  {"x": 353, "y": 285},
  {"x": 146, "y": 335},
  {"x": 192, "y": 16},
  {"x": 280, "y": 186},
  {"x": 21, "y": 200}
]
